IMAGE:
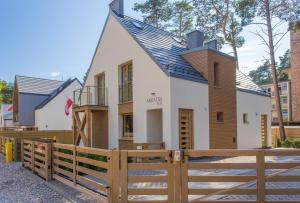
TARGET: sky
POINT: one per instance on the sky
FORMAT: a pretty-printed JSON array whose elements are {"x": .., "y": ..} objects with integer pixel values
[{"x": 56, "y": 39}]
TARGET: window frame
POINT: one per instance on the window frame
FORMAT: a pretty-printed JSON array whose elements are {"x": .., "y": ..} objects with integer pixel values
[{"x": 220, "y": 117}]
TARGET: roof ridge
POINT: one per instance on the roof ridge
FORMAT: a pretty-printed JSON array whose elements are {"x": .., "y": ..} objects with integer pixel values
[{"x": 39, "y": 78}]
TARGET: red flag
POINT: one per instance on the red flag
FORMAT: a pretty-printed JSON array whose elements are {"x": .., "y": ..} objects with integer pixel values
[
  {"x": 68, "y": 105},
  {"x": 10, "y": 107}
]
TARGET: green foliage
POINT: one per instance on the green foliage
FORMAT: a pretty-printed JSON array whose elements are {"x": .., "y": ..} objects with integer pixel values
[
  {"x": 182, "y": 17},
  {"x": 155, "y": 12},
  {"x": 287, "y": 143},
  {"x": 290, "y": 143},
  {"x": 6, "y": 92},
  {"x": 263, "y": 73},
  {"x": 224, "y": 20}
]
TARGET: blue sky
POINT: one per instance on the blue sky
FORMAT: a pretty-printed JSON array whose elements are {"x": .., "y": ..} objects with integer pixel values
[{"x": 56, "y": 39}]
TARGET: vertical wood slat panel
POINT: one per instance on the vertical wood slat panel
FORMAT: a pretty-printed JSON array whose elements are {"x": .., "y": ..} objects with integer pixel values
[{"x": 124, "y": 175}]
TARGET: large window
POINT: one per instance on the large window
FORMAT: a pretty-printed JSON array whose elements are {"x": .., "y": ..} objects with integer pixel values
[
  {"x": 126, "y": 83},
  {"x": 127, "y": 125}
]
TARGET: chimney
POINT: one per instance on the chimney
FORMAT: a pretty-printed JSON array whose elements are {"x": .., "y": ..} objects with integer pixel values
[
  {"x": 295, "y": 69},
  {"x": 117, "y": 6},
  {"x": 212, "y": 44},
  {"x": 195, "y": 39}
]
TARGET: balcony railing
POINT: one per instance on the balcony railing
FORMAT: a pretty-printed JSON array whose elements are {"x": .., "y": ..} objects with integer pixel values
[
  {"x": 125, "y": 92},
  {"x": 90, "y": 96}
]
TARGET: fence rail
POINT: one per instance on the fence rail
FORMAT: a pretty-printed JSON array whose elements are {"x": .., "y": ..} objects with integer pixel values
[{"x": 169, "y": 176}]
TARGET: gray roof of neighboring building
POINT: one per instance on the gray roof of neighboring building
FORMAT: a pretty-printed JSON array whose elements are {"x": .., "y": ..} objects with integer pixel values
[
  {"x": 57, "y": 92},
  {"x": 31, "y": 85},
  {"x": 166, "y": 50}
]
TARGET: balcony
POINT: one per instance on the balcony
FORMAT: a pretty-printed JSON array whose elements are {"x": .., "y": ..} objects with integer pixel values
[
  {"x": 90, "y": 96},
  {"x": 125, "y": 93}
]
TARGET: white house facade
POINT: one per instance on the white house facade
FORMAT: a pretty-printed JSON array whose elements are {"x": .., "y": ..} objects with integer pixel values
[
  {"x": 51, "y": 114},
  {"x": 151, "y": 88}
]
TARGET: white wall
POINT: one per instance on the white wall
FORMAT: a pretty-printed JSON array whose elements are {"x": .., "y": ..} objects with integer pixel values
[
  {"x": 52, "y": 116},
  {"x": 118, "y": 47},
  {"x": 190, "y": 95},
  {"x": 5, "y": 116},
  {"x": 249, "y": 135},
  {"x": 154, "y": 126}
]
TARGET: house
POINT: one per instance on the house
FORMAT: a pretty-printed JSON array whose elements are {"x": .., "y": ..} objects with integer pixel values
[
  {"x": 145, "y": 85},
  {"x": 6, "y": 116},
  {"x": 285, "y": 96},
  {"x": 50, "y": 114},
  {"x": 40, "y": 102}
]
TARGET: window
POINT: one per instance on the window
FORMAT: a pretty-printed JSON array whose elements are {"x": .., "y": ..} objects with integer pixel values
[
  {"x": 284, "y": 100},
  {"x": 284, "y": 86},
  {"x": 125, "y": 89},
  {"x": 128, "y": 125},
  {"x": 245, "y": 118},
  {"x": 220, "y": 117},
  {"x": 216, "y": 75},
  {"x": 269, "y": 90}
]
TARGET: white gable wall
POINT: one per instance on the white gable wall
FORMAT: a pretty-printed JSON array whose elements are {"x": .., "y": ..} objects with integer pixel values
[
  {"x": 190, "y": 95},
  {"x": 249, "y": 135},
  {"x": 52, "y": 116},
  {"x": 118, "y": 47}
]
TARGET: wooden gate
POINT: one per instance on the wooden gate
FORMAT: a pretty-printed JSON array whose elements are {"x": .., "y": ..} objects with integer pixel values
[
  {"x": 133, "y": 176},
  {"x": 186, "y": 134}
]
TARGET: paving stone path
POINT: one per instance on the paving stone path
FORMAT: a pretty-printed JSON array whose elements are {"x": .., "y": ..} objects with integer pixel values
[{"x": 19, "y": 185}]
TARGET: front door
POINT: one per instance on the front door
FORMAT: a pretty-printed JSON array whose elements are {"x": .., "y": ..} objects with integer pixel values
[
  {"x": 264, "y": 130},
  {"x": 186, "y": 134}
]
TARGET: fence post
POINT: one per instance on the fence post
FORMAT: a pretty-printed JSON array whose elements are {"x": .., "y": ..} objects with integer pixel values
[
  {"x": 184, "y": 177},
  {"x": 115, "y": 175},
  {"x": 74, "y": 165},
  {"x": 22, "y": 151},
  {"x": 177, "y": 158},
  {"x": 124, "y": 176},
  {"x": 261, "y": 182},
  {"x": 32, "y": 155},
  {"x": 48, "y": 161}
]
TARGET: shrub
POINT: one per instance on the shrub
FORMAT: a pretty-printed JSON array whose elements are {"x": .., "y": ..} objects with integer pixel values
[{"x": 287, "y": 143}]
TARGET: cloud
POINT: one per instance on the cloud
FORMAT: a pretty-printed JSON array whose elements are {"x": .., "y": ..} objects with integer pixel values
[{"x": 55, "y": 74}]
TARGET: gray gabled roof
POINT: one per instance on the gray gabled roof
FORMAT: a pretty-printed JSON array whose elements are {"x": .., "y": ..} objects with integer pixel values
[
  {"x": 162, "y": 46},
  {"x": 57, "y": 92},
  {"x": 244, "y": 83},
  {"x": 166, "y": 50},
  {"x": 31, "y": 85}
]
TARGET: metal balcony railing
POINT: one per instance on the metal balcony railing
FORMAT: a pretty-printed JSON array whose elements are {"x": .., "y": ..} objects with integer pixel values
[
  {"x": 90, "y": 96},
  {"x": 125, "y": 92}
]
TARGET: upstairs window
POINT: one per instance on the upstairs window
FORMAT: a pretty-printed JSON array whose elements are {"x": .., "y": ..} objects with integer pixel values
[
  {"x": 220, "y": 117},
  {"x": 216, "y": 75},
  {"x": 125, "y": 86}
]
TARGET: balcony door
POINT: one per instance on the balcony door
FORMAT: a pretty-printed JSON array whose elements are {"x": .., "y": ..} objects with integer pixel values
[{"x": 100, "y": 89}]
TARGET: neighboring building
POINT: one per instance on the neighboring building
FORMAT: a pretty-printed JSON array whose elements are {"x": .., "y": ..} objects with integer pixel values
[
  {"x": 6, "y": 116},
  {"x": 30, "y": 93},
  {"x": 50, "y": 114},
  {"x": 295, "y": 70},
  {"x": 285, "y": 96},
  {"x": 153, "y": 87}
]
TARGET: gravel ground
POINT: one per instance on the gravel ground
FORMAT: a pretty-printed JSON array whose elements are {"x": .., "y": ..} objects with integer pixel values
[{"x": 19, "y": 185}]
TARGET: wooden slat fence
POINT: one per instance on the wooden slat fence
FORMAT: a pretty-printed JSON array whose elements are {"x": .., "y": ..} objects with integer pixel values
[
  {"x": 36, "y": 155},
  {"x": 135, "y": 176},
  {"x": 85, "y": 168},
  {"x": 16, "y": 147},
  {"x": 132, "y": 167}
]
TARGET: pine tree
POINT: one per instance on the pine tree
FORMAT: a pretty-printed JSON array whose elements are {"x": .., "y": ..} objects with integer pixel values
[{"x": 155, "y": 12}]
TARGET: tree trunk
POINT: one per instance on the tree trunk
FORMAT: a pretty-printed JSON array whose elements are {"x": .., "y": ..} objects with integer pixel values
[
  {"x": 235, "y": 55},
  {"x": 273, "y": 67}
]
